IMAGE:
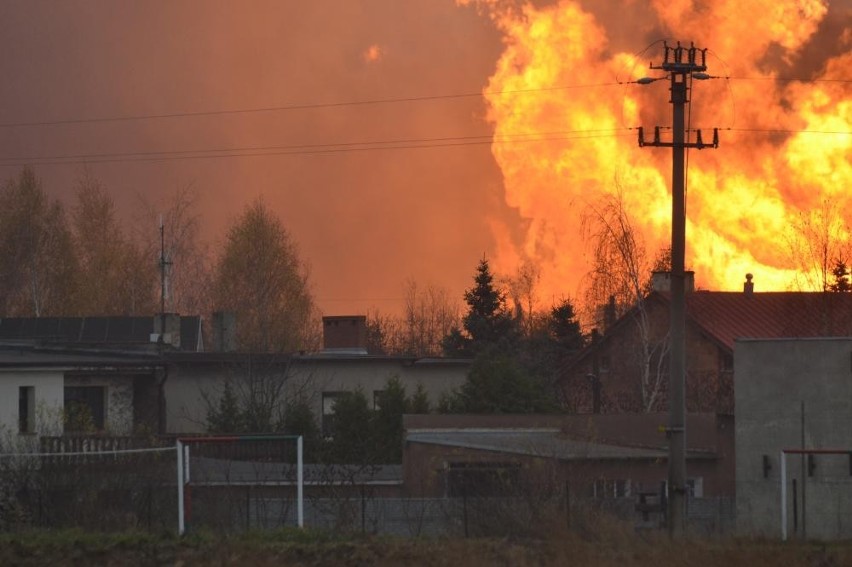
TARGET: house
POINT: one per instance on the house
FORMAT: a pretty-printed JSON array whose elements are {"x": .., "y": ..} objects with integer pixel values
[
  {"x": 343, "y": 365},
  {"x": 622, "y": 372},
  {"x": 119, "y": 375},
  {"x": 794, "y": 404},
  {"x": 48, "y": 391}
]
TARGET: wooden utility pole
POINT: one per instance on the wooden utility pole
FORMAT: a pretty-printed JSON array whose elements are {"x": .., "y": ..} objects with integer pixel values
[{"x": 681, "y": 65}]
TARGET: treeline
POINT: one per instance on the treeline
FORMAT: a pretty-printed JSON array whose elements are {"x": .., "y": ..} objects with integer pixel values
[
  {"x": 84, "y": 260},
  {"x": 517, "y": 358}
]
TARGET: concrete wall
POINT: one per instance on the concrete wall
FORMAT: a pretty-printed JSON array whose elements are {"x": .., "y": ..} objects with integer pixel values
[
  {"x": 190, "y": 385},
  {"x": 49, "y": 396},
  {"x": 774, "y": 380}
]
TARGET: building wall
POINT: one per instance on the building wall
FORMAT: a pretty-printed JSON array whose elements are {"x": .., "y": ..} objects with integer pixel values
[
  {"x": 775, "y": 381},
  {"x": 617, "y": 363},
  {"x": 118, "y": 414},
  {"x": 190, "y": 386},
  {"x": 711, "y": 438},
  {"x": 48, "y": 390}
]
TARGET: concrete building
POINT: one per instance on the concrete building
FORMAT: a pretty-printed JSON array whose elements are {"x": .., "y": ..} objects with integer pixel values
[{"x": 794, "y": 394}]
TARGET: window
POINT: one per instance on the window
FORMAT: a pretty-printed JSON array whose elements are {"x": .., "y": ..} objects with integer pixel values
[
  {"x": 482, "y": 479},
  {"x": 377, "y": 399},
  {"x": 26, "y": 409},
  {"x": 328, "y": 400},
  {"x": 695, "y": 487},
  {"x": 607, "y": 489},
  {"x": 85, "y": 408},
  {"x": 603, "y": 363}
]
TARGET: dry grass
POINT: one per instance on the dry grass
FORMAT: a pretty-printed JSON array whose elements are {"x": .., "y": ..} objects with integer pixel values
[{"x": 607, "y": 548}]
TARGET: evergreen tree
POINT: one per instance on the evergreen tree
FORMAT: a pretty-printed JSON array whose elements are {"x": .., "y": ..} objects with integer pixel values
[
  {"x": 418, "y": 403},
  {"x": 487, "y": 323},
  {"x": 351, "y": 441},
  {"x": 226, "y": 416},
  {"x": 841, "y": 278},
  {"x": 387, "y": 422},
  {"x": 299, "y": 419},
  {"x": 498, "y": 384}
]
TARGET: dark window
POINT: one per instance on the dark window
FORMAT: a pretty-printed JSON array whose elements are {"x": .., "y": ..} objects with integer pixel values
[
  {"x": 377, "y": 399},
  {"x": 607, "y": 489},
  {"x": 483, "y": 479},
  {"x": 84, "y": 408},
  {"x": 26, "y": 409},
  {"x": 328, "y": 400}
]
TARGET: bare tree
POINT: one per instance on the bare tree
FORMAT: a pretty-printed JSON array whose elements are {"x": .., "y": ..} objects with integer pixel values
[
  {"x": 618, "y": 277},
  {"x": 818, "y": 240},
  {"x": 522, "y": 291},
  {"x": 38, "y": 267},
  {"x": 116, "y": 276},
  {"x": 429, "y": 315}
]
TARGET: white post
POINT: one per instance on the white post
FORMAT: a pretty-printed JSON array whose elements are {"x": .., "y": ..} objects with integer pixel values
[
  {"x": 783, "y": 496},
  {"x": 179, "y": 455},
  {"x": 300, "y": 482},
  {"x": 186, "y": 464}
]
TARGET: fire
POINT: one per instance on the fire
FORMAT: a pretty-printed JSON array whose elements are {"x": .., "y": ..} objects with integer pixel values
[{"x": 778, "y": 159}]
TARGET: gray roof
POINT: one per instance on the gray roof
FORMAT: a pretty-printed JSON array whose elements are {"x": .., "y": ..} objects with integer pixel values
[
  {"x": 546, "y": 443},
  {"x": 112, "y": 330},
  {"x": 26, "y": 356}
]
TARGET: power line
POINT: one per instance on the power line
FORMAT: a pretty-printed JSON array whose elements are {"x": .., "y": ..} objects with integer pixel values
[
  {"x": 377, "y": 101},
  {"x": 788, "y": 79},
  {"x": 780, "y": 131},
  {"x": 306, "y": 106},
  {"x": 314, "y": 149},
  {"x": 345, "y": 147}
]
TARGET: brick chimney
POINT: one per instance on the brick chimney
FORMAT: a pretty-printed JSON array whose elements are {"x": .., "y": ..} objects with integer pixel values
[
  {"x": 748, "y": 286},
  {"x": 224, "y": 331},
  {"x": 344, "y": 334}
]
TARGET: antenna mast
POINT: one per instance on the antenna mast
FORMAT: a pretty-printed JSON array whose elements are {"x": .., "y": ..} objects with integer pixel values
[{"x": 164, "y": 264}]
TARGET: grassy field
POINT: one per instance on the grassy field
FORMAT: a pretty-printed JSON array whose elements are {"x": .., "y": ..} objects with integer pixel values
[{"x": 291, "y": 547}]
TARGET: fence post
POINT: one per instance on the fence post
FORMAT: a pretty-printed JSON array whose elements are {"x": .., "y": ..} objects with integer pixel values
[{"x": 179, "y": 451}]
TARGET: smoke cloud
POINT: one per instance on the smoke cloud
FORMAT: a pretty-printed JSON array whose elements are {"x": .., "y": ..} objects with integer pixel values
[{"x": 367, "y": 219}]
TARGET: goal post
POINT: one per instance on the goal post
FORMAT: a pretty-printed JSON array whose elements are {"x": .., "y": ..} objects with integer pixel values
[
  {"x": 251, "y": 468},
  {"x": 802, "y": 452}
]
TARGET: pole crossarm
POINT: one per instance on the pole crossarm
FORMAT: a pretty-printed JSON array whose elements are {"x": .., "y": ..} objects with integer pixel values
[{"x": 698, "y": 144}]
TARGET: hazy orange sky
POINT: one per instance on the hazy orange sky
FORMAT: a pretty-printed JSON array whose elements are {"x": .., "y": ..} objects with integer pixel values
[{"x": 367, "y": 219}]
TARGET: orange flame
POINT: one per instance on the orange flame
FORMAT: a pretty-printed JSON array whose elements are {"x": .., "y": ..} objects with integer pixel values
[{"x": 742, "y": 199}]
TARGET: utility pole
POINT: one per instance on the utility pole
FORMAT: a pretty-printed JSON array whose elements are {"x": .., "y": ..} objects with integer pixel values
[{"x": 681, "y": 64}]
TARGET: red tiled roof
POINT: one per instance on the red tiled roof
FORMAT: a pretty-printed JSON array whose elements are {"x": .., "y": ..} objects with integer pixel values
[{"x": 727, "y": 316}]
